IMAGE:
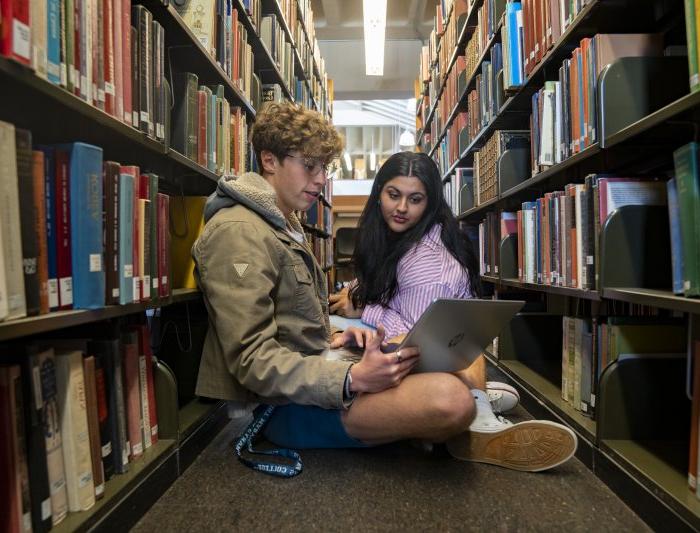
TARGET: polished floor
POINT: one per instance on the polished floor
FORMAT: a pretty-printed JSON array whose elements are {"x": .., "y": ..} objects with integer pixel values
[{"x": 391, "y": 488}]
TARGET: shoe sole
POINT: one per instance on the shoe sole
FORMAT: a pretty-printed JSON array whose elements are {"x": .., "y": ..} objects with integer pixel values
[
  {"x": 491, "y": 385},
  {"x": 530, "y": 446}
]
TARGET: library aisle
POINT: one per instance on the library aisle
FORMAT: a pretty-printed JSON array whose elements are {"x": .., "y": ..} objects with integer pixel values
[{"x": 390, "y": 488}]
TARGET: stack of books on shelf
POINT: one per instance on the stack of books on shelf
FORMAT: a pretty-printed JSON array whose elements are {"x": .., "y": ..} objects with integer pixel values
[
  {"x": 487, "y": 168},
  {"x": 458, "y": 190},
  {"x": 78, "y": 233},
  {"x": 117, "y": 66},
  {"x": 74, "y": 413},
  {"x": 565, "y": 112},
  {"x": 206, "y": 128}
]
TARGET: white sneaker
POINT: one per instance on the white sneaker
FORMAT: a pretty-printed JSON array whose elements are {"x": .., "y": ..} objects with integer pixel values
[
  {"x": 530, "y": 446},
  {"x": 502, "y": 396}
]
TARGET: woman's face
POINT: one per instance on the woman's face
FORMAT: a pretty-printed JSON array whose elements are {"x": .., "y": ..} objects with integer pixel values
[{"x": 403, "y": 201}]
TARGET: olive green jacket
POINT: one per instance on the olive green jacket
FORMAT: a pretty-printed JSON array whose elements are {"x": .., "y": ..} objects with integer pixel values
[{"x": 267, "y": 302}]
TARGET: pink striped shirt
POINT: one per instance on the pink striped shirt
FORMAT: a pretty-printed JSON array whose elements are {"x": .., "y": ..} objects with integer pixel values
[{"x": 426, "y": 272}]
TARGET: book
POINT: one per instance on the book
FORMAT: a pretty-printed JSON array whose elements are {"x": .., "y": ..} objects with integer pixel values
[
  {"x": 132, "y": 401},
  {"x": 163, "y": 245},
  {"x": 28, "y": 216},
  {"x": 110, "y": 191},
  {"x": 685, "y": 160},
  {"x": 10, "y": 224},
  {"x": 64, "y": 268},
  {"x": 74, "y": 429},
  {"x": 49, "y": 191},
  {"x": 674, "y": 223},
  {"x": 15, "y": 34},
  {"x": 44, "y": 358},
  {"x": 98, "y": 475},
  {"x": 185, "y": 128},
  {"x": 40, "y": 229},
  {"x": 126, "y": 249},
  {"x": 86, "y": 225}
]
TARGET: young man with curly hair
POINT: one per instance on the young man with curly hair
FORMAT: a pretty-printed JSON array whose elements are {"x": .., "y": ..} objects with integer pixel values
[{"x": 267, "y": 302}]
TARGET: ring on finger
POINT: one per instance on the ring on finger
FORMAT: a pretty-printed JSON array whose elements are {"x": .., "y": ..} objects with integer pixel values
[{"x": 398, "y": 357}]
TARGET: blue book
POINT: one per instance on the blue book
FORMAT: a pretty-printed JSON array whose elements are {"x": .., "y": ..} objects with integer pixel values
[
  {"x": 53, "y": 41},
  {"x": 674, "y": 220},
  {"x": 50, "y": 194},
  {"x": 126, "y": 238},
  {"x": 87, "y": 224},
  {"x": 514, "y": 58}
]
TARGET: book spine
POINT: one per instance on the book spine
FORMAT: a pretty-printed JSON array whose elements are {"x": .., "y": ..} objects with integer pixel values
[
  {"x": 52, "y": 436},
  {"x": 676, "y": 239},
  {"x": 15, "y": 34},
  {"x": 53, "y": 41},
  {"x": 28, "y": 216},
  {"x": 109, "y": 39},
  {"x": 153, "y": 233},
  {"x": 126, "y": 251},
  {"x": 40, "y": 229},
  {"x": 64, "y": 271},
  {"x": 164, "y": 245},
  {"x": 118, "y": 60},
  {"x": 86, "y": 226},
  {"x": 131, "y": 394},
  {"x": 74, "y": 428},
  {"x": 691, "y": 37},
  {"x": 135, "y": 77},
  {"x": 10, "y": 223},
  {"x": 93, "y": 425},
  {"x": 111, "y": 231},
  {"x": 103, "y": 412},
  {"x": 686, "y": 164},
  {"x": 127, "y": 71},
  {"x": 99, "y": 56}
]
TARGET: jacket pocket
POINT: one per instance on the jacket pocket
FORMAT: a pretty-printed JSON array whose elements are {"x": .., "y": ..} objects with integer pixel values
[{"x": 307, "y": 303}]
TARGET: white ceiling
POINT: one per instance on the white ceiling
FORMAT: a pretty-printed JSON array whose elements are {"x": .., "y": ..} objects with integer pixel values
[{"x": 339, "y": 30}]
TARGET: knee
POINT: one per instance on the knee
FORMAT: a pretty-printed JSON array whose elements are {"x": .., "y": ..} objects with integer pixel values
[{"x": 453, "y": 405}]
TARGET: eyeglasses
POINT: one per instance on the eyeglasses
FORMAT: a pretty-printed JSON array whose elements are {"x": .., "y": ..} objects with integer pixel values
[{"x": 312, "y": 166}]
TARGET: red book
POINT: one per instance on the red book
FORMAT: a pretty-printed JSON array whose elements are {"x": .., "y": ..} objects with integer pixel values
[
  {"x": 163, "y": 245},
  {"x": 108, "y": 43},
  {"x": 77, "y": 22},
  {"x": 136, "y": 173},
  {"x": 126, "y": 60},
  {"x": 40, "y": 230},
  {"x": 132, "y": 400},
  {"x": 10, "y": 519},
  {"x": 15, "y": 37},
  {"x": 202, "y": 134},
  {"x": 148, "y": 395},
  {"x": 64, "y": 266},
  {"x": 118, "y": 63}
]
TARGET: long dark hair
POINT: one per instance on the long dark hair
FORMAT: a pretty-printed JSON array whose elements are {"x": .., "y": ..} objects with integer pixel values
[{"x": 378, "y": 249}]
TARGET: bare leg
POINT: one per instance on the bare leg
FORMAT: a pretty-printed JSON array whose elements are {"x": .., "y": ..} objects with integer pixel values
[
  {"x": 474, "y": 376},
  {"x": 433, "y": 406}
]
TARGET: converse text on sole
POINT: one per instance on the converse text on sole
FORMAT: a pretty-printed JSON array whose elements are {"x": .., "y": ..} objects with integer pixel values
[{"x": 530, "y": 446}]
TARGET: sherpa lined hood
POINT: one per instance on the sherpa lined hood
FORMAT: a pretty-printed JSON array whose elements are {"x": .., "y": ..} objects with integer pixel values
[{"x": 254, "y": 192}]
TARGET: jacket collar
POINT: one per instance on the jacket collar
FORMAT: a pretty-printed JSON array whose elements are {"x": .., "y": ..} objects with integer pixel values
[{"x": 254, "y": 192}]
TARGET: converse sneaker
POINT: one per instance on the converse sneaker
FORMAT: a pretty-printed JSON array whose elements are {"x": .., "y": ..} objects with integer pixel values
[
  {"x": 530, "y": 446},
  {"x": 502, "y": 396}
]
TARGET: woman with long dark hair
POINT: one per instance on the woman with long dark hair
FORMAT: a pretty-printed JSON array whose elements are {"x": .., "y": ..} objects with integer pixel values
[{"x": 408, "y": 252}]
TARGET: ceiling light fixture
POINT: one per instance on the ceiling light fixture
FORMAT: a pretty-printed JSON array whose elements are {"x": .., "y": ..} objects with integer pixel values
[
  {"x": 348, "y": 161},
  {"x": 407, "y": 139},
  {"x": 374, "y": 15}
]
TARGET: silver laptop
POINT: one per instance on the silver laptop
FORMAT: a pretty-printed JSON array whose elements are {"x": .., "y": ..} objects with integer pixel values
[{"x": 450, "y": 334}]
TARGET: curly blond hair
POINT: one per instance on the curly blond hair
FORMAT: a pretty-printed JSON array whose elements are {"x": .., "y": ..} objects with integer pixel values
[{"x": 287, "y": 127}]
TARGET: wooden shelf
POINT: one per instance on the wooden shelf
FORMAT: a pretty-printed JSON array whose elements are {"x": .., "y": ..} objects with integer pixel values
[
  {"x": 552, "y": 289},
  {"x": 22, "y": 327},
  {"x": 653, "y": 297},
  {"x": 192, "y": 165},
  {"x": 120, "y": 485},
  {"x": 659, "y": 465}
]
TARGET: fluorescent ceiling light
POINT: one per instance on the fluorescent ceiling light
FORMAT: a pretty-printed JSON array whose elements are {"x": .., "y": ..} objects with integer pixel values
[
  {"x": 374, "y": 14},
  {"x": 372, "y": 161},
  {"x": 348, "y": 161}
]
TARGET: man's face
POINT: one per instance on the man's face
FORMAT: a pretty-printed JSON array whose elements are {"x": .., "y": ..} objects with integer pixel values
[{"x": 297, "y": 180}]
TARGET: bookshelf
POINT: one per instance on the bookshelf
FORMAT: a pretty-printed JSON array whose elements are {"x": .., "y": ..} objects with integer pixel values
[
  {"x": 641, "y": 453},
  {"x": 54, "y": 115}
]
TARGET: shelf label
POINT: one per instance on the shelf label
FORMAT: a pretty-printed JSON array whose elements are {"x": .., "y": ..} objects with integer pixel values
[
  {"x": 66, "y": 290},
  {"x": 53, "y": 292},
  {"x": 21, "y": 41},
  {"x": 95, "y": 262},
  {"x": 128, "y": 271}
]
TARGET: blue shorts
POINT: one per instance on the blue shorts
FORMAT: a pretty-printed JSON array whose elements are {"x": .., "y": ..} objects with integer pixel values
[{"x": 305, "y": 426}]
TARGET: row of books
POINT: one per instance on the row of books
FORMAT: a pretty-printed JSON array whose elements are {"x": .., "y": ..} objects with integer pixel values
[
  {"x": 77, "y": 232},
  {"x": 207, "y": 129},
  {"x": 590, "y": 344},
  {"x": 458, "y": 190},
  {"x": 558, "y": 234},
  {"x": 565, "y": 112},
  {"x": 692, "y": 33},
  {"x": 108, "y": 53},
  {"x": 73, "y": 413},
  {"x": 487, "y": 161}
]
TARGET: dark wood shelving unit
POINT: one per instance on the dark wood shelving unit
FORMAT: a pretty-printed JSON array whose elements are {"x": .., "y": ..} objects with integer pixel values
[{"x": 22, "y": 327}]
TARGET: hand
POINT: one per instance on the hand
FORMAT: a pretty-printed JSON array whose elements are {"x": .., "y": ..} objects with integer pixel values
[
  {"x": 352, "y": 336},
  {"x": 378, "y": 371},
  {"x": 341, "y": 305}
]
